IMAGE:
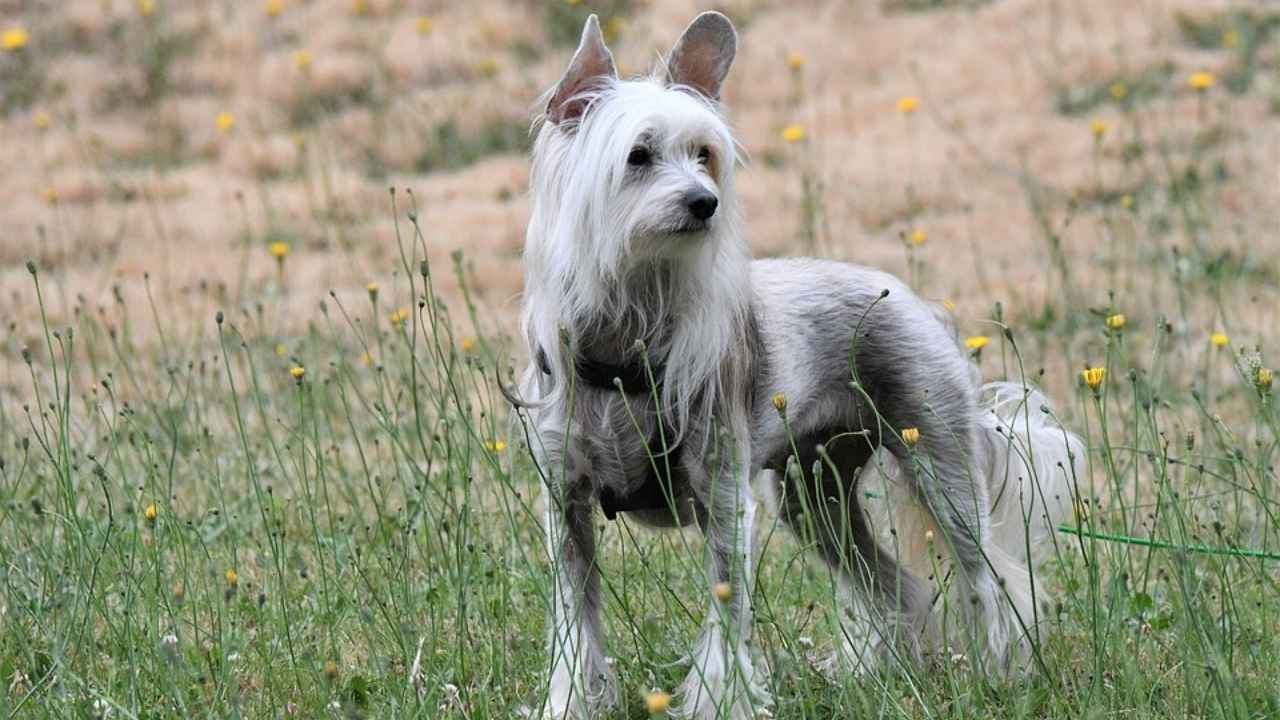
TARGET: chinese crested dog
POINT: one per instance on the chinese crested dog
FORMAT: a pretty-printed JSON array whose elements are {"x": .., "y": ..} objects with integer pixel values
[{"x": 672, "y": 377}]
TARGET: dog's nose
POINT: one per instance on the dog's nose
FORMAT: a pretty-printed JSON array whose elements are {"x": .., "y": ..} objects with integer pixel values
[{"x": 701, "y": 203}]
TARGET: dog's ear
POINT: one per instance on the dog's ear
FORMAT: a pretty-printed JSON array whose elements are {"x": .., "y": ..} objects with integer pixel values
[
  {"x": 591, "y": 66},
  {"x": 703, "y": 54}
]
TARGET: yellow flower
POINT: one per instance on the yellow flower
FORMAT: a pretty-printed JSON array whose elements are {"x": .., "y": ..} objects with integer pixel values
[
  {"x": 146, "y": 7},
  {"x": 373, "y": 289},
  {"x": 41, "y": 120},
  {"x": 366, "y": 359},
  {"x": 780, "y": 402},
  {"x": 908, "y": 104},
  {"x": 495, "y": 445},
  {"x": 571, "y": 3},
  {"x": 919, "y": 237},
  {"x": 359, "y": 7},
  {"x": 794, "y": 133},
  {"x": 928, "y": 536},
  {"x": 468, "y": 344},
  {"x": 179, "y": 592},
  {"x": 297, "y": 371},
  {"x": 1093, "y": 377},
  {"x": 281, "y": 350},
  {"x": 398, "y": 317},
  {"x": 330, "y": 669},
  {"x": 1231, "y": 38},
  {"x": 723, "y": 591},
  {"x": 1126, "y": 201},
  {"x": 302, "y": 59},
  {"x": 279, "y": 250},
  {"x": 1219, "y": 339},
  {"x": 151, "y": 513},
  {"x": 613, "y": 28},
  {"x": 50, "y": 195},
  {"x": 976, "y": 342},
  {"x": 1118, "y": 91},
  {"x": 225, "y": 121},
  {"x": 423, "y": 25},
  {"x": 1264, "y": 379},
  {"x": 795, "y": 61},
  {"x": 273, "y": 8},
  {"x": 232, "y": 577},
  {"x": 1116, "y": 321},
  {"x": 657, "y": 702},
  {"x": 949, "y": 305},
  {"x": 1098, "y": 128},
  {"x": 1201, "y": 80},
  {"x": 488, "y": 67},
  {"x": 910, "y": 436},
  {"x": 13, "y": 39}
]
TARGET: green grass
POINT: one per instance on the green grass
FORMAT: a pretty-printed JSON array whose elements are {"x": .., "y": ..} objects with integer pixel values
[{"x": 380, "y": 513}]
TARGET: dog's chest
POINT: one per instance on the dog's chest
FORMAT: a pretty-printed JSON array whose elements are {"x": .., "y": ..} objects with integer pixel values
[{"x": 634, "y": 461}]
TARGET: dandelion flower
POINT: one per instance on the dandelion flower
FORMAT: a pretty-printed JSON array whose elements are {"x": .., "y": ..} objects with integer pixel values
[
  {"x": 302, "y": 60},
  {"x": 468, "y": 345},
  {"x": 949, "y": 305},
  {"x": 1093, "y": 377},
  {"x": 780, "y": 402},
  {"x": 495, "y": 445},
  {"x": 359, "y": 8},
  {"x": 41, "y": 120},
  {"x": 297, "y": 372},
  {"x": 1219, "y": 339},
  {"x": 423, "y": 25},
  {"x": 14, "y": 39},
  {"x": 232, "y": 578},
  {"x": 279, "y": 250},
  {"x": 910, "y": 436},
  {"x": 1264, "y": 379},
  {"x": 1126, "y": 201},
  {"x": 1098, "y": 128},
  {"x": 146, "y": 8},
  {"x": 488, "y": 67},
  {"x": 373, "y": 289},
  {"x": 1115, "y": 321},
  {"x": 50, "y": 195},
  {"x": 274, "y": 8},
  {"x": 794, "y": 133},
  {"x": 225, "y": 121},
  {"x": 1201, "y": 80},
  {"x": 723, "y": 591},
  {"x": 795, "y": 61},
  {"x": 1118, "y": 91},
  {"x": 398, "y": 317},
  {"x": 908, "y": 104},
  {"x": 151, "y": 513},
  {"x": 657, "y": 702},
  {"x": 919, "y": 237},
  {"x": 366, "y": 359},
  {"x": 330, "y": 669},
  {"x": 976, "y": 342}
]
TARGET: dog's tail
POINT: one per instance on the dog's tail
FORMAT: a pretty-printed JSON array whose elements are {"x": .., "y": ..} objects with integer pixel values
[{"x": 1030, "y": 463}]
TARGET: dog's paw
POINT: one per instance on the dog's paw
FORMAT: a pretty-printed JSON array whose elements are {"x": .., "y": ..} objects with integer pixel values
[
  {"x": 568, "y": 702},
  {"x": 720, "y": 688}
]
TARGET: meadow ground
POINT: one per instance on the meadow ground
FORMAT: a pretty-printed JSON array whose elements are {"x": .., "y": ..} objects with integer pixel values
[{"x": 253, "y": 458}]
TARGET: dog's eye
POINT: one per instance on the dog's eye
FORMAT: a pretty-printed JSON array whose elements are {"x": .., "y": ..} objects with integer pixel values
[
  {"x": 704, "y": 155},
  {"x": 639, "y": 157}
]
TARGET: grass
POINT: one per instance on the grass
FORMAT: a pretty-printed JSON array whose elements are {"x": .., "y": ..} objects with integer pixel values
[{"x": 188, "y": 528}]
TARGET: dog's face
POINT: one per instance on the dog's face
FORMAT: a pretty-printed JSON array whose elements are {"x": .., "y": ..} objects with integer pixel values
[{"x": 651, "y": 159}]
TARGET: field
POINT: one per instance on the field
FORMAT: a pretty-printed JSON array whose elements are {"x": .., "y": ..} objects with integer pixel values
[{"x": 260, "y": 270}]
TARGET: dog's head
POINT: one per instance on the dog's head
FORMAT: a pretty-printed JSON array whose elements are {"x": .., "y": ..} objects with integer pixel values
[{"x": 643, "y": 167}]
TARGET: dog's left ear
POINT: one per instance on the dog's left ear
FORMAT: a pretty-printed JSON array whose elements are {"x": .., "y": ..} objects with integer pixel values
[{"x": 703, "y": 54}]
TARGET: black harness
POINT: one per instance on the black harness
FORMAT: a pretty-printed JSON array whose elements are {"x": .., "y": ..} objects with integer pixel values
[{"x": 656, "y": 492}]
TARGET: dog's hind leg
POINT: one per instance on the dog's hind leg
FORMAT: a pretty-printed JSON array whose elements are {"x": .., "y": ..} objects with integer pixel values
[
  {"x": 944, "y": 473},
  {"x": 723, "y": 681},
  {"x": 889, "y": 606},
  {"x": 581, "y": 682}
]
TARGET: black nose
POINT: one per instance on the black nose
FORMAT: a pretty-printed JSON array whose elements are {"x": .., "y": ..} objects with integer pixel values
[{"x": 701, "y": 203}]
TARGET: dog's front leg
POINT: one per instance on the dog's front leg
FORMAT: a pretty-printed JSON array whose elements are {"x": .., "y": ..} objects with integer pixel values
[
  {"x": 723, "y": 682},
  {"x": 581, "y": 682}
]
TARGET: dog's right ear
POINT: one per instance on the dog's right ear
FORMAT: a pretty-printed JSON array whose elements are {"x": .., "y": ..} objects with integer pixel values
[{"x": 591, "y": 67}]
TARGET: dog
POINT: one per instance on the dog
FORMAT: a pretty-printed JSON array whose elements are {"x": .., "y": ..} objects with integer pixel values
[{"x": 672, "y": 378}]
